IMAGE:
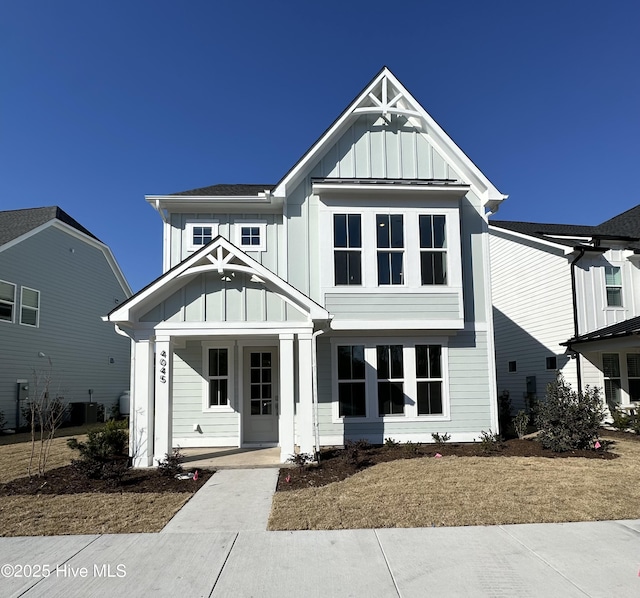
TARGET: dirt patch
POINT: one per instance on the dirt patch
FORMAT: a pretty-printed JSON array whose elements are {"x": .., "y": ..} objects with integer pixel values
[
  {"x": 339, "y": 464},
  {"x": 68, "y": 480}
]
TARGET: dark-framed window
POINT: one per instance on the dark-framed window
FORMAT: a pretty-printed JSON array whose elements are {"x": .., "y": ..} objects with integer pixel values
[
  {"x": 429, "y": 379},
  {"x": 352, "y": 396},
  {"x": 218, "y": 377},
  {"x": 7, "y": 301},
  {"x": 390, "y": 371},
  {"x": 433, "y": 252},
  {"x": 347, "y": 249},
  {"x": 390, "y": 245}
]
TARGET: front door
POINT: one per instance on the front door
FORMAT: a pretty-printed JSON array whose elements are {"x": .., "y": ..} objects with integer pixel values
[{"x": 260, "y": 408}]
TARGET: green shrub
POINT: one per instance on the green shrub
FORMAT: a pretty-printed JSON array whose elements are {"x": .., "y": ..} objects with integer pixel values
[
  {"x": 171, "y": 465},
  {"x": 104, "y": 454},
  {"x": 301, "y": 459},
  {"x": 490, "y": 441},
  {"x": 440, "y": 439},
  {"x": 621, "y": 421},
  {"x": 568, "y": 420}
]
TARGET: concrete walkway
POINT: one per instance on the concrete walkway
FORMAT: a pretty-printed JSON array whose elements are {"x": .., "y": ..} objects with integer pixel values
[
  {"x": 217, "y": 546},
  {"x": 231, "y": 500}
]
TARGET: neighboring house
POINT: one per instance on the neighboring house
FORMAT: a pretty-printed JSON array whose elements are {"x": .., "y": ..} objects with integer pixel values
[
  {"x": 348, "y": 301},
  {"x": 566, "y": 299},
  {"x": 56, "y": 281}
]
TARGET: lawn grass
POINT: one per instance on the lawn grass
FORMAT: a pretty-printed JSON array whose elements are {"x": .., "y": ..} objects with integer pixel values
[
  {"x": 94, "y": 513},
  {"x": 454, "y": 491}
]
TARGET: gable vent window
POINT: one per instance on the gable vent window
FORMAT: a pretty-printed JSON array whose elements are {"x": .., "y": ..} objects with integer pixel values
[
  {"x": 613, "y": 283},
  {"x": 390, "y": 243},
  {"x": 251, "y": 235},
  {"x": 7, "y": 301},
  {"x": 433, "y": 250},
  {"x": 30, "y": 307},
  {"x": 347, "y": 249},
  {"x": 200, "y": 234}
]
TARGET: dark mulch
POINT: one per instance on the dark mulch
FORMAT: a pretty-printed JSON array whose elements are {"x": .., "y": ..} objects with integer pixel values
[
  {"x": 338, "y": 464},
  {"x": 68, "y": 480}
]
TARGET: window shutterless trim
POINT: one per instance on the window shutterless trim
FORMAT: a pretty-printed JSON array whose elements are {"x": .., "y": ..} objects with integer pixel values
[
  {"x": 11, "y": 303},
  {"x": 30, "y": 308},
  {"x": 206, "y": 378},
  {"x": 190, "y": 227},
  {"x": 247, "y": 240}
]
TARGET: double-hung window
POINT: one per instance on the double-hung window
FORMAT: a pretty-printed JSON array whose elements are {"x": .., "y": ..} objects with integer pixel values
[
  {"x": 347, "y": 249},
  {"x": 429, "y": 379},
  {"x": 30, "y": 307},
  {"x": 433, "y": 249},
  {"x": 218, "y": 377},
  {"x": 352, "y": 401},
  {"x": 613, "y": 284},
  {"x": 390, "y": 380},
  {"x": 7, "y": 300},
  {"x": 612, "y": 378},
  {"x": 633, "y": 375},
  {"x": 390, "y": 244}
]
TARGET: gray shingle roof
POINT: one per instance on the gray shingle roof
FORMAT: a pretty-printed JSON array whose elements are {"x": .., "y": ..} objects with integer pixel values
[
  {"x": 625, "y": 328},
  {"x": 14, "y": 223},
  {"x": 227, "y": 190},
  {"x": 626, "y": 224}
]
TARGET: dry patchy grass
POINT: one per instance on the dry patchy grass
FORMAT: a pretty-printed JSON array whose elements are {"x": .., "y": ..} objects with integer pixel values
[
  {"x": 88, "y": 513},
  {"x": 469, "y": 491}
]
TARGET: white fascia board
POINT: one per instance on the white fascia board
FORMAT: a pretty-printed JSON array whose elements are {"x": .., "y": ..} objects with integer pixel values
[
  {"x": 436, "y": 135},
  {"x": 74, "y": 232},
  {"x": 192, "y": 329},
  {"x": 564, "y": 248},
  {"x": 457, "y": 191},
  {"x": 189, "y": 203}
]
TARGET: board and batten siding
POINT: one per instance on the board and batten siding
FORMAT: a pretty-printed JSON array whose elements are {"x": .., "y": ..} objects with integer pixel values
[
  {"x": 533, "y": 313},
  {"x": 209, "y": 298},
  {"x": 469, "y": 391},
  {"x": 77, "y": 287},
  {"x": 219, "y": 428},
  {"x": 228, "y": 225}
]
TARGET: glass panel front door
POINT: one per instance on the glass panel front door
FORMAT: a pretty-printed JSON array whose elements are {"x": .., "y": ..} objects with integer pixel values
[{"x": 260, "y": 416}]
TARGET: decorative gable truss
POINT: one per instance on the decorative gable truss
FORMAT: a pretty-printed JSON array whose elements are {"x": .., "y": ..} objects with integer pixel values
[{"x": 219, "y": 284}]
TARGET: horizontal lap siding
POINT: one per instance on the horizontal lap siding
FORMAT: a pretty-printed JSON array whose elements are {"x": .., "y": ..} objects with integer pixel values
[
  {"x": 469, "y": 391},
  {"x": 76, "y": 289},
  {"x": 394, "y": 306},
  {"x": 188, "y": 399}
]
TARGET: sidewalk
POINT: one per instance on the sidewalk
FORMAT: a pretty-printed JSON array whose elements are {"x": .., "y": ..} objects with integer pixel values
[{"x": 217, "y": 546}]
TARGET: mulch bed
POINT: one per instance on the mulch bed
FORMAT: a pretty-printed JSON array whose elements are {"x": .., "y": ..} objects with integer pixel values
[
  {"x": 340, "y": 463},
  {"x": 68, "y": 480}
]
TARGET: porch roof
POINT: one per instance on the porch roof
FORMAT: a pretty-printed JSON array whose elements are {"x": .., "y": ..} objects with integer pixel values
[{"x": 621, "y": 329}]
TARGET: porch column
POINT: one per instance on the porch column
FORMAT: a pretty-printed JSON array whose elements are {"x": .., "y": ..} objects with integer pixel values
[
  {"x": 305, "y": 397},
  {"x": 141, "y": 404},
  {"x": 287, "y": 398},
  {"x": 164, "y": 399}
]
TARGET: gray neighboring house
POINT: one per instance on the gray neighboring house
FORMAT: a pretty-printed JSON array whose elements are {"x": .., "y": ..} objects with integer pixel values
[{"x": 56, "y": 281}]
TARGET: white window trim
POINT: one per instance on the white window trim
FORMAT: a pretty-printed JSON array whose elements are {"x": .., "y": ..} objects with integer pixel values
[
  {"x": 605, "y": 286},
  {"x": 261, "y": 225},
  {"x": 335, "y": 249},
  {"x": 410, "y": 381},
  {"x": 37, "y": 309},
  {"x": 412, "y": 276},
  {"x": 191, "y": 224},
  {"x": 228, "y": 408},
  {"x": 13, "y": 304}
]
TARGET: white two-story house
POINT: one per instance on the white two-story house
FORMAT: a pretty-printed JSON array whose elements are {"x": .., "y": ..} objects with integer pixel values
[
  {"x": 566, "y": 298},
  {"x": 348, "y": 301}
]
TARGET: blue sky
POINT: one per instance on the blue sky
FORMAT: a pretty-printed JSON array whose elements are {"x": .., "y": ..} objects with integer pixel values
[{"x": 104, "y": 102}]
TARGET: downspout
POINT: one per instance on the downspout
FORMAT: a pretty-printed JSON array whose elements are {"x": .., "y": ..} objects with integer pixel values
[
  {"x": 575, "y": 315},
  {"x": 314, "y": 391}
]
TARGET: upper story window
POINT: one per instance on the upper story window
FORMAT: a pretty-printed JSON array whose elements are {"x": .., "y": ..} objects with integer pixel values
[
  {"x": 433, "y": 249},
  {"x": 200, "y": 234},
  {"x": 390, "y": 244},
  {"x": 7, "y": 301},
  {"x": 30, "y": 307},
  {"x": 613, "y": 284},
  {"x": 347, "y": 249},
  {"x": 251, "y": 236}
]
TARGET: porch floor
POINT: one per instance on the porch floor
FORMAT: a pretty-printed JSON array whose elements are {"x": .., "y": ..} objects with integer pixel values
[{"x": 231, "y": 457}]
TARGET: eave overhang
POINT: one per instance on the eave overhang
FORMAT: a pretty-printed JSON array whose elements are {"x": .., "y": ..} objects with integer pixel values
[
  {"x": 187, "y": 203},
  {"x": 415, "y": 188}
]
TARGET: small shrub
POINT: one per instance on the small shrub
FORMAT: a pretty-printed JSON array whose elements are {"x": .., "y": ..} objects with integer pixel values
[
  {"x": 521, "y": 423},
  {"x": 490, "y": 441},
  {"x": 440, "y": 439},
  {"x": 355, "y": 452},
  {"x": 103, "y": 456},
  {"x": 411, "y": 448},
  {"x": 568, "y": 420},
  {"x": 171, "y": 464},
  {"x": 621, "y": 421},
  {"x": 300, "y": 459},
  {"x": 390, "y": 442}
]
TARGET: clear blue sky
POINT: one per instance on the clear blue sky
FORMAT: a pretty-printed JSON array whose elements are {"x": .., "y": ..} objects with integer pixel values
[{"x": 104, "y": 102}]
